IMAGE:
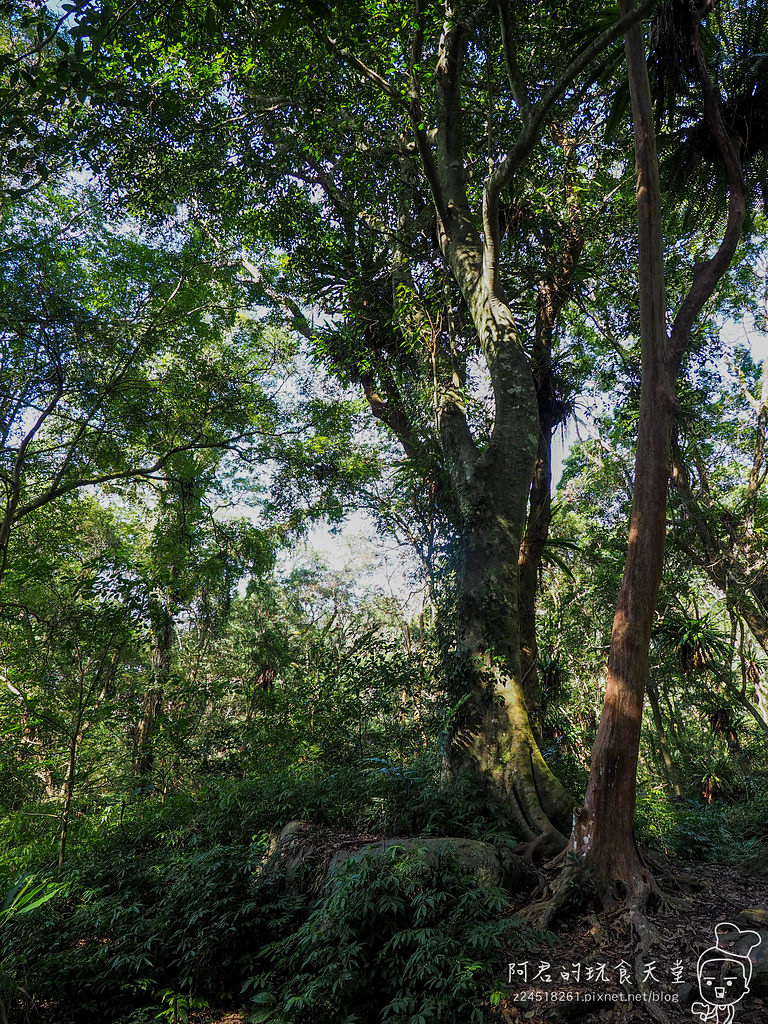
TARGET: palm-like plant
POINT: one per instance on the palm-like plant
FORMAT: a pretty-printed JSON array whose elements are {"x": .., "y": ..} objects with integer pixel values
[{"x": 734, "y": 42}]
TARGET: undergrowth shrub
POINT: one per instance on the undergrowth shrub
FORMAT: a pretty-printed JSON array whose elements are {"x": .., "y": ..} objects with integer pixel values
[
  {"x": 720, "y": 832},
  {"x": 160, "y": 912},
  {"x": 163, "y": 904},
  {"x": 406, "y": 940}
]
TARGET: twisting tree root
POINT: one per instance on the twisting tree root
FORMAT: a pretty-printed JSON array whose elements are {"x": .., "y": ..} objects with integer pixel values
[
  {"x": 666, "y": 872},
  {"x": 646, "y": 893},
  {"x": 578, "y": 886},
  {"x": 570, "y": 891},
  {"x": 548, "y": 844}
]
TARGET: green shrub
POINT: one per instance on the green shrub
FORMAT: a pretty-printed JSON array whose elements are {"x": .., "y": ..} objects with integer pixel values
[
  {"x": 720, "y": 832},
  {"x": 157, "y": 905},
  {"x": 408, "y": 940},
  {"x": 164, "y": 903}
]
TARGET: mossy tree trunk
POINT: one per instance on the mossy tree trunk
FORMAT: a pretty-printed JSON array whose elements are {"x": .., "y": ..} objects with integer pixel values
[{"x": 492, "y": 738}]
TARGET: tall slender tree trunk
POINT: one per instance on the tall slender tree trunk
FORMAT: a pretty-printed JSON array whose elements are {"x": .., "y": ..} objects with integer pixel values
[
  {"x": 69, "y": 788},
  {"x": 603, "y": 833},
  {"x": 531, "y": 552},
  {"x": 163, "y": 634},
  {"x": 552, "y": 296},
  {"x": 551, "y": 415},
  {"x": 603, "y": 836},
  {"x": 670, "y": 768},
  {"x": 69, "y": 780}
]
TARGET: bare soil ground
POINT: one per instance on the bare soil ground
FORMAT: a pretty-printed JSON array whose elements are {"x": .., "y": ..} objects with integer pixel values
[{"x": 684, "y": 927}]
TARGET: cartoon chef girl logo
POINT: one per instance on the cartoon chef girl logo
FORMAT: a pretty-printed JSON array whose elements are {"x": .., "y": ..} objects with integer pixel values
[{"x": 724, "y": 972}]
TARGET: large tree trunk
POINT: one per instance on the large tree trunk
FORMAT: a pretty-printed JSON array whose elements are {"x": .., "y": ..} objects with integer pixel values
[
  {"x": 604, "y": 828},
  {"x": 493, "y": 739}
]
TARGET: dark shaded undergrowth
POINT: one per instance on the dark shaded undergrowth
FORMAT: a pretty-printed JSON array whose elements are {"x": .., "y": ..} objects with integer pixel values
[{"x": 163, "y": 907}]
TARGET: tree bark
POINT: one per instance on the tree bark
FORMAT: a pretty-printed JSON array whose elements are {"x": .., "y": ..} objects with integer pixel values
[
  {"x": 603, "y": 836},
  {"x": 163, "y": 633},
  {"x": 493, "y": 740}
]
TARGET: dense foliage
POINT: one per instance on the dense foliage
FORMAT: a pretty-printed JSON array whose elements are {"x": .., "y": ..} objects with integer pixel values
[{"x": 269, "y": 271}]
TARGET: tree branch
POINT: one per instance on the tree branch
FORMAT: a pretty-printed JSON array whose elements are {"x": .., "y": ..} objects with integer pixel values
[
  {"x": 530, "y": 135},
  {"x": 707, "y": 275},
  {"x": 373, "y": 77},
  {"x": 391, "y": 413},
  {"x": 515, "y": 79},
  {"x": 450, "y": 136}
]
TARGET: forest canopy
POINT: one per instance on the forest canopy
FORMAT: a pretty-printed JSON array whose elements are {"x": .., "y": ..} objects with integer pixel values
[{"x": 484, "y": 283}]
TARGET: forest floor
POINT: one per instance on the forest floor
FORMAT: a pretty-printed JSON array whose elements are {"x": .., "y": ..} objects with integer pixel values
[
  {"x": 590, "y": 974},
  {"x": 594, "y": 973}
]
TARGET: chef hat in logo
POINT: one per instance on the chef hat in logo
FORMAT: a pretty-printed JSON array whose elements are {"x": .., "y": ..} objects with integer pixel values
[{"x": 731, "y": 943}]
